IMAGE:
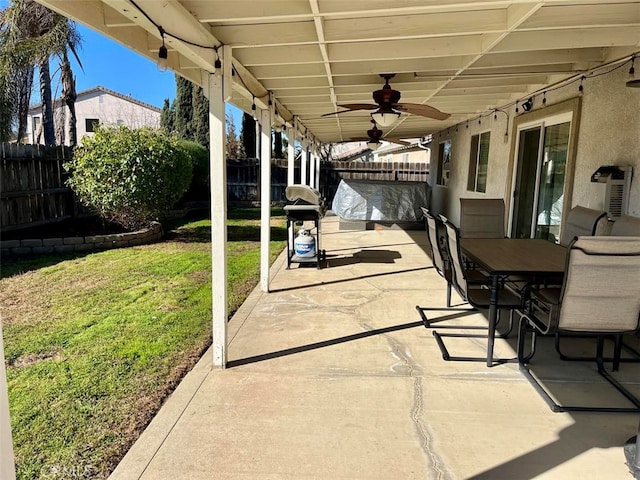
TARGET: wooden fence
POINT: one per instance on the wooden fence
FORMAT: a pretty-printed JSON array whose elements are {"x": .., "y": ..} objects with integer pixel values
[
  {"x": 33, "y": 190},
  {"x": 333, "y": 172},
  {"x": 243, "y": 180},
  {"x": 32, "y": 186},
  {"x": 243, "y": 177}
]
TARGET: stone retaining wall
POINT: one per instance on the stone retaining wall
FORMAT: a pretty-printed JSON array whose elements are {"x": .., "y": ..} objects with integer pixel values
[{"x": 81, "y": 244}]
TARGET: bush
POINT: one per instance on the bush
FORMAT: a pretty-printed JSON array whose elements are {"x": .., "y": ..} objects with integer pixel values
[
  {"x": 199, "y": 190},
  {"x": 129, "y": 176}
]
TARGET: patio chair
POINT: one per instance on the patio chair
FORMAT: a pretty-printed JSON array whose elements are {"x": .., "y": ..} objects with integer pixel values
[
  {"x": 580, "y": 221},
  {"x": 475, "y": 295},
  {"x": 438, "y": 250},
  {"x": 481, "y": 218},
  {"x": 440, "y": 259},
  {"x": 626, "y": 226},
  {"x": 585, "y": 305}
]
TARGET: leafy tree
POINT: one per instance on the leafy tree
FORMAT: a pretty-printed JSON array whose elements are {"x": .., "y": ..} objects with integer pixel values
[
  {"x": 184, "y": 108},
  {"x": 130, "y": 176},
  {"x": 199, "y": 190},
  {"x": 233, "y": 146},
  {"x": 30, "y": 35},
  {"x": 168, "y": 116},
  {"x": 248, "y": 135},
  {"x": 200, "y": 119}
]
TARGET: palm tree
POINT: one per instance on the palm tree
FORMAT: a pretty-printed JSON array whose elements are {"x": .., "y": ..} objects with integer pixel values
[{"x": 30, "y": 35}]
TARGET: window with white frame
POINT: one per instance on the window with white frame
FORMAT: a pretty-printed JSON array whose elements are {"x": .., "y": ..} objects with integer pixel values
[{"x": 479, "y": 162}]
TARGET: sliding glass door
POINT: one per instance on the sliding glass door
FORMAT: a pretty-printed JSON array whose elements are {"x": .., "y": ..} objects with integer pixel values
[{"x": 538, "y": 194}]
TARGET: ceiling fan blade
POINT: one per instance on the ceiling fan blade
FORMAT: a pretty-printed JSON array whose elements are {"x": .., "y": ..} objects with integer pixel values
[
  {"x": 360, "y": 106},
  {"x": 422, "y": 110},
  {"x": 353, "y": 107},
  {"x": 397, "y": 141}
]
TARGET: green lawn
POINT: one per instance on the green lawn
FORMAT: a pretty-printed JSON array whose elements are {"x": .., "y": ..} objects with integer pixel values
[{"x": 95, "y": 343}]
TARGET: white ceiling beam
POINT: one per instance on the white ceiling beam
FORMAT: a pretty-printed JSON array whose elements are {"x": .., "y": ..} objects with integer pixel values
[
  {"x": 279, "y": 55},
  {"x": 516, "y": 15},
  {"x": 365, "y": 28},
  {"x": 248, "y": 36},
  {"x": 429, "y": 47},
  {"x": 583, "y": 16},
  {"x": 579, "y": 38},
  {"x": 175, "y": 20},
  {"x": 540, "y": 57}
]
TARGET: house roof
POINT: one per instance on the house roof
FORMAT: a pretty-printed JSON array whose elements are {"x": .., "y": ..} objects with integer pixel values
[
  {"x": 101, "y": 89},
  {"x": 464, "y": 57}
]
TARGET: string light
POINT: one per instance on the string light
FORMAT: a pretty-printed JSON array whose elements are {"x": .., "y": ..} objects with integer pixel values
[
  {"x": 163, "y": 53},
  {"x": 581, "y": 88},
  {"x": 544, "y": 98}
]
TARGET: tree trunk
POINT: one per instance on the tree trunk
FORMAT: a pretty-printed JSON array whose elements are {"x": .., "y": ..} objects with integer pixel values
[
  {"x": 69, "y": 96},
  {"x": 24, "y": 84},
  {"x": 47, "y": 103}
]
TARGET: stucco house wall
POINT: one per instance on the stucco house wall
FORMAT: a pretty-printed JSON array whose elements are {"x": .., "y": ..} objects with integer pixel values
[
  {"x": 608, "y": 134},
  {"x": 107, "y": 106},
  {"x": 395, "y": 154}
]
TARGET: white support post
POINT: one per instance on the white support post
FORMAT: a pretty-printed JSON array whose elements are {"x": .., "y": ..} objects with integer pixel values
[
  {"x": 317, "y": 176},
  {"x": 291, "y": 165},
  {"x": 7, "y": 462},
  {"x": 312, "y": 167},
  {"x": 256, "y": 154},
  {"x": 218, "y": 179},
  {"x": 265, "y": 197},
  {"x": 291, "y": 153},
  {"x": 304, "y": 159}
]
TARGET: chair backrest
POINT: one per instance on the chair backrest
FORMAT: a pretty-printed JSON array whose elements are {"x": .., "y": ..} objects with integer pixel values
[
  {"x": 482, "y": 218},
  {"x": 581, "y": 221},
  {"x": 600, "y": 291},
  {"x": 434, "y": 243},
  {"x": 458, "y": 278},
  {"x": 626, "y": 227}
]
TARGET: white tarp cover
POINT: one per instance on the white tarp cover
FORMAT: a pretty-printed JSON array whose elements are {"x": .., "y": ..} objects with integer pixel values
[{"x": 380, "y": 200}]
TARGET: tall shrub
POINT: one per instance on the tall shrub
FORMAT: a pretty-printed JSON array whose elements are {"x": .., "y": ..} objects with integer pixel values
[
  {"x": 199, "y": 190},
  {"x": 130, "y": 176}
]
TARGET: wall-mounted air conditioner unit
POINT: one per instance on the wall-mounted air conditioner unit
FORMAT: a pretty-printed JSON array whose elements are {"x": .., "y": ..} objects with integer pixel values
[{"x": 617, "y": 188}]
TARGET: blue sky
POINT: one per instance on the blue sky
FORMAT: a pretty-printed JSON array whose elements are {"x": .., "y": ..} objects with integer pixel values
[{"x": 109, "y": 64}]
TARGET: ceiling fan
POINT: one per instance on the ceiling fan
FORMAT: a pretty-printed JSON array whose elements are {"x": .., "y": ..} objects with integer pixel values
[
  {"x": 374, "y": 135},
  {"x": 387, "y": 109}
]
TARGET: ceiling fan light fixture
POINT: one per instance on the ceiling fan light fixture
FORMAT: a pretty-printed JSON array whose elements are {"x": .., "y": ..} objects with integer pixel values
[
  {"x": 374, "y": 145},
  {"x": 385, "y": 117}
]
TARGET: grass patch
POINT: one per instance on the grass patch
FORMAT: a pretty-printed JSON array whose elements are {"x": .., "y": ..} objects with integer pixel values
[{"x": 95, "y": 343}]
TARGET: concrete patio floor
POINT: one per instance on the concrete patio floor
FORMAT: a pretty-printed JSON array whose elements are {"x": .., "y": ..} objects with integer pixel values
[{"x": 333, "y": 376}]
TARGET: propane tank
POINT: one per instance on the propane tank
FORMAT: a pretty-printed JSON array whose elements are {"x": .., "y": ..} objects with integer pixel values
[{"x": 304, "y": 244}]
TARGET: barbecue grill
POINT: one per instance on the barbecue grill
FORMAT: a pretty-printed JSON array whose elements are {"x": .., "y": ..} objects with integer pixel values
[{"x": 308, "y": 205}]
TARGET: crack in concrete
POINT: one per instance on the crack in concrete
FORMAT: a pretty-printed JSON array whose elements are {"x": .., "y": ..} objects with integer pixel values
[{"x": 415, "y": 371}]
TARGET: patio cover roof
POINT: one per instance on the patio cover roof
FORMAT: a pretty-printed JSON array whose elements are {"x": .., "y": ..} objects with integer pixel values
[{"x": 463, "y": 57}]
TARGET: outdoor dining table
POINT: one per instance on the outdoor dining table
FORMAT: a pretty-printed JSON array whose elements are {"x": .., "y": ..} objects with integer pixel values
[{"x": 534, "y": 259}]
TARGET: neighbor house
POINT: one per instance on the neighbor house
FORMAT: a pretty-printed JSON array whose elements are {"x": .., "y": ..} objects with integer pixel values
[{"x": 96, "y": 106}]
